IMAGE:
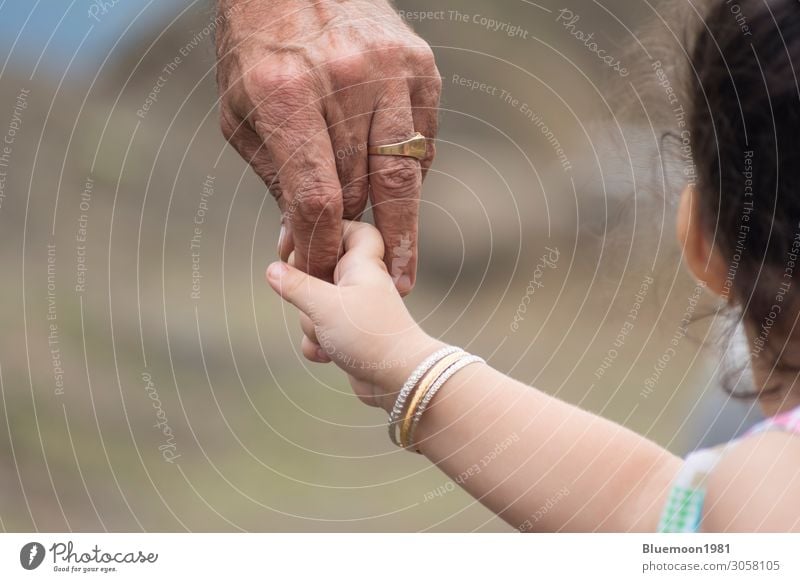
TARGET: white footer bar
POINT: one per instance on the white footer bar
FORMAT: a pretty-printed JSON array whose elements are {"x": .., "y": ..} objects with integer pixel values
[{"x": 399, "y": 557}]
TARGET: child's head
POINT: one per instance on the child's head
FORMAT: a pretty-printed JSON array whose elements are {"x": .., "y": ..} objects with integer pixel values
[{"x": 740, "y": 220}]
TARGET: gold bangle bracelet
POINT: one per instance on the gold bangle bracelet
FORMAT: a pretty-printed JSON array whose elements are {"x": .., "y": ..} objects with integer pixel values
[
  {"x": 422, "y": 388},
  {"x": 433, "y": 390}
]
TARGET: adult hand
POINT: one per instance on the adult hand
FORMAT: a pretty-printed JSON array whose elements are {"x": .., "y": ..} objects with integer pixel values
[{"x": 306, "y": 86}]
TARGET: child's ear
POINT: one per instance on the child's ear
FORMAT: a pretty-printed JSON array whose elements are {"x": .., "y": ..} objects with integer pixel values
[{"x": 703, "y": 259}]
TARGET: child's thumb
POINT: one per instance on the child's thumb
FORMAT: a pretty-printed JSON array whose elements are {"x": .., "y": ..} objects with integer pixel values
[{"x": 296, "y": 287}]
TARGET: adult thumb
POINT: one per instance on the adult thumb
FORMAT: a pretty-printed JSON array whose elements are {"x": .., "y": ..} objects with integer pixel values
[{"x": 298, "y": 288}]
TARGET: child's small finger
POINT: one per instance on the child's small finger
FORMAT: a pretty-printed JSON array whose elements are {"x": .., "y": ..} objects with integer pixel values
[
  {"x": 308, "y": 327},
  {"x": 363, "y": 258},
  {"x": 362, "y": 239},
  {"x": 313, "y": 352}
]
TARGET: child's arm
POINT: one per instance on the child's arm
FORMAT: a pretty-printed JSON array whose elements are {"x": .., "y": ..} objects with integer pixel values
[
  {"x": 568, "y": 470},
  {"x": 538, "y": 462}
]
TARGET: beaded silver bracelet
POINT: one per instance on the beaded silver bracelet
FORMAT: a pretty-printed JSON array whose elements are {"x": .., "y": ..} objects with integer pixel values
[
  {"x": 408, "y": 387},
  {"x": 440, "y": 381}
]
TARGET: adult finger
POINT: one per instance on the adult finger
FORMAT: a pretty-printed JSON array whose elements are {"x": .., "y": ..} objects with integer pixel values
[
  {"x": 349, "y": 119},
  {"x": 395, "y": 183},
  {"x": 291, "y": 125},
  {"x": 425, "y": 94}
]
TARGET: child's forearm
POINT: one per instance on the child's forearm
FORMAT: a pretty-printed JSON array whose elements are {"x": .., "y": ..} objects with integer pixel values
[{"x": 540, "y": 463}]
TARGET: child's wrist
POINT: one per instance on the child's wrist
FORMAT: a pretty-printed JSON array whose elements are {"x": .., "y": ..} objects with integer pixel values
[{"x": 415, "y": 350}]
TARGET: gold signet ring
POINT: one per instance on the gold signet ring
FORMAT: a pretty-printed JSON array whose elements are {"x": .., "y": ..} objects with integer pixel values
[{"x": 414, "y": 147}]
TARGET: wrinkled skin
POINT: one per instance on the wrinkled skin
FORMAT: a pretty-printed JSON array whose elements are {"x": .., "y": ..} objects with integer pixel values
[{"x": 304, "y": 87}]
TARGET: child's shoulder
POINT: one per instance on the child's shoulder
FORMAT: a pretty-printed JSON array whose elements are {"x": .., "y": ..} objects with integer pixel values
[
  {"x": 755, "y": 484},
  {"x": 749, "y": 484}
]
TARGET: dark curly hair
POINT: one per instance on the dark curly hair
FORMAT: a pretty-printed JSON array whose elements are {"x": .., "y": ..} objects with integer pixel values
[{"x": 744, "y": 126}]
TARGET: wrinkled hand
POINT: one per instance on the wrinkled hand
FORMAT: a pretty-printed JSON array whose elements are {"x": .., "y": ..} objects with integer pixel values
[
  {"x": 361, "y": 322},
  {"x": 305, "y": 85}
]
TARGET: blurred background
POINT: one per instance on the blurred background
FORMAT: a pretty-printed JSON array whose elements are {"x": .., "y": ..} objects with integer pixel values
[{"x": 151, "y": 381}]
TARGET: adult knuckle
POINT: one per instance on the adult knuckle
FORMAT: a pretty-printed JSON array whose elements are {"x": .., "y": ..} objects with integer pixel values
[
  {"x": 422, "y": 58},
  {"x": 400, "y": 176},
  {"x": 436, "y": 81},
  {"x": 355, "y": 186},
  {"x": 430, "y": 88},
  {"x": 278, "y": 87},
  {"x": 270, "y": 178},
  {"x": 229, "y": 121},
  {"x": 265, "y": 170},
  {"x": 349, "y": 69},
  {"x": 269, "y": 78},
  {"x": 227, "y": 127},
  {"x": 275, "y": 190},
  {"x": 318, "y": 202},
  {"x": 354, "y": 194}
]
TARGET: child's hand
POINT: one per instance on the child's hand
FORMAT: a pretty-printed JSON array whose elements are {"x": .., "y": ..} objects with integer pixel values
[{"x": 360, "y": 323}]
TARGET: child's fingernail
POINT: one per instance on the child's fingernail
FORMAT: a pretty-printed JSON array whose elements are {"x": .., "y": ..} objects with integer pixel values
[
  {"x": 277, "y": 270},
  {"x": 322, "y": 354},
  {"x": 281, "y": 236}
]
